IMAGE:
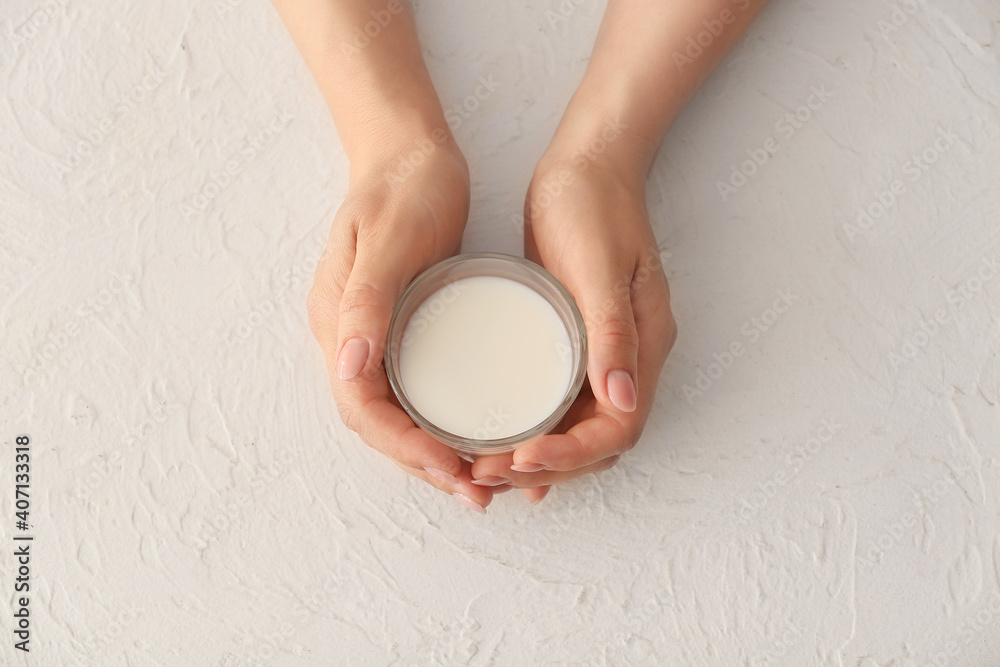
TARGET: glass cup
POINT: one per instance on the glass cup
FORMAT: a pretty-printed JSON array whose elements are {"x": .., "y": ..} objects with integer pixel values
[{"x": 503, "y": 266}]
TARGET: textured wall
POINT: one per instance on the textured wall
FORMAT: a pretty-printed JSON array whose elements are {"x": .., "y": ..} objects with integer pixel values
[{"x": 827, "y": 497}]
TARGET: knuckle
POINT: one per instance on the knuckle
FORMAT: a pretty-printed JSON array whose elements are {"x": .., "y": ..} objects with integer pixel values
[
  {"x": 357, "y": 418},
  {"x": 622, "y": 446},
  {"x": 666, "y": 323},
  {"x": 372, "y": 371},
  {"x": 631, "y": 433},
  {"x": 608, "y": 463},
  {"x": 319, "y": 310},
  {"x": 662, "y": 320},
  {"x": 353, "y": 214},
  {"x": 349, "y": 414},
  {"x": 614, "y": 329},
  {"x": 368, "y": 230},
  {"x": 632, "y": 440},
  {"x": 314, "y": 304},
  {"x": 358, "y": 298},
  {"x": 671, "y": 331}
]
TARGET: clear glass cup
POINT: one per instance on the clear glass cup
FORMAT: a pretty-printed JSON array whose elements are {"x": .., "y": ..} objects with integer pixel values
[{"x": 503, "y": 266}]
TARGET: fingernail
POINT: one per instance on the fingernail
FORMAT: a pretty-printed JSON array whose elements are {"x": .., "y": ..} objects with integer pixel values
[
  {"x": 441, "y": 475},
  {"x": 502, "y": 489},
  {"x": 491, "y": 481},
  {"x": 621, "y": 390},
  {"x": 352, "y": 359},
  {"x": 470, "y": 503},
  {"x": 528, "y": 467}
]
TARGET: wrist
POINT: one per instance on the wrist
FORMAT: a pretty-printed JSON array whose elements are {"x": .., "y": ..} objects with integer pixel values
[
  {"x": 601, "y": 126},
  {"x": 614, "y": 99},
  {"x": 403, "y": 148},
  {"x": 392, "y": 135},
  {"x": 391, "y": 114},
  {"x": 599, "y": 141},
  {"x": 379, "y": 91}
]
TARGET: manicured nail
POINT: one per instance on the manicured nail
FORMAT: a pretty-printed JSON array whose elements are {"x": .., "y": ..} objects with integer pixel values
[
  {"x": 502, "y": 489},
  {"x": 470, "y": 503},
  {"x": 352, "y": 358},
  {"x": 528, "y": 467},
  {"x": 441, "y": 475},
  {"x": 621, "y": 390},
  {"x": 491, "y": 481}
]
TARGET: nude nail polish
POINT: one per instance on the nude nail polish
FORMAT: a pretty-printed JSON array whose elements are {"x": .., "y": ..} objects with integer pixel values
[
  {"x": 352, "y": 359},
  {"x": 470, "y": 503},
  {"x": 528, "y": 467},
  {"x": 493, "y": 480}
]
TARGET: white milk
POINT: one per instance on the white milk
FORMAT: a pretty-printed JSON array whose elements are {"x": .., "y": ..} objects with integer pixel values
[{"x": 485, "y": 358}]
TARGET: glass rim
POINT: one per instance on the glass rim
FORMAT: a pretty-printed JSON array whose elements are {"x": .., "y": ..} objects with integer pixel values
[{"x": 575, "y": 329}]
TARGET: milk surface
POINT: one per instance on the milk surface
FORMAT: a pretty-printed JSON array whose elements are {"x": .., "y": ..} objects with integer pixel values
[{"x": 485, "y": 357}]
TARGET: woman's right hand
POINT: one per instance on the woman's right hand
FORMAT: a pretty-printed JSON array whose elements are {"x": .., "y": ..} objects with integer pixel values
[{"x": 404, "y": 211}]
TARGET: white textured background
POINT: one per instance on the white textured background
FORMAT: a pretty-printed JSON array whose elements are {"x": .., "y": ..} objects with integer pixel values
[{"x": 197, "y": 502}]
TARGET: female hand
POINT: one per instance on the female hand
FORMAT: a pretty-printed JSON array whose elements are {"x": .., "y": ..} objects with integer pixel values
[
  {"x": 593, "y": 233},
  {"x": 586, "y": 222},
  {"x": 404, "y": 212}
]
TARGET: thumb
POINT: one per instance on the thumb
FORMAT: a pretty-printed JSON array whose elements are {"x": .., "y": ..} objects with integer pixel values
[
  {"x": 612, "y": 340},
  {"x": 377, "y": 279}
]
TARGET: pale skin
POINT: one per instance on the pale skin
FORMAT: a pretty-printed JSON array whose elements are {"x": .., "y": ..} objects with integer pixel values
[{"x": 585, "y": 221}]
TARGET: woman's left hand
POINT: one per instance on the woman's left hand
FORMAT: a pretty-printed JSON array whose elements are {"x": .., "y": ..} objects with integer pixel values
[{"x": 586, "y": 222}]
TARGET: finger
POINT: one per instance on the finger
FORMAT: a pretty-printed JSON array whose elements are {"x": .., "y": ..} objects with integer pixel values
[
  {"x": 548, "y": 478},
  {"x": 536, "y": 494},
  {"x": 654, "y": 319},
  {"x": 323, "y": 301},
  {"x": 604, "y": 435},
  {"x": 602, "y": 432},
  {"x": 378, "y": 278},
  {"x": 605, "y": 302},
  {"x": 474, "y": 497},
  {"x": 530, "y": 245},
  {"x": 498, "y": 467},
  {"x": 493, "y": 470},
  {"x": 364, "y": 403},
  {"x": 366, "y": 409}
]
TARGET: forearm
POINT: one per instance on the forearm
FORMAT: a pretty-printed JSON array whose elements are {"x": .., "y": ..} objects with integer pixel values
[
  {"x": 375, "y": 83},
  {"x": 649, "y": 59}
]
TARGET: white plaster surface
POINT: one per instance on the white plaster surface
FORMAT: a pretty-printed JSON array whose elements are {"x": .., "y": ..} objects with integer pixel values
[{"x": 196, "y": 500}]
